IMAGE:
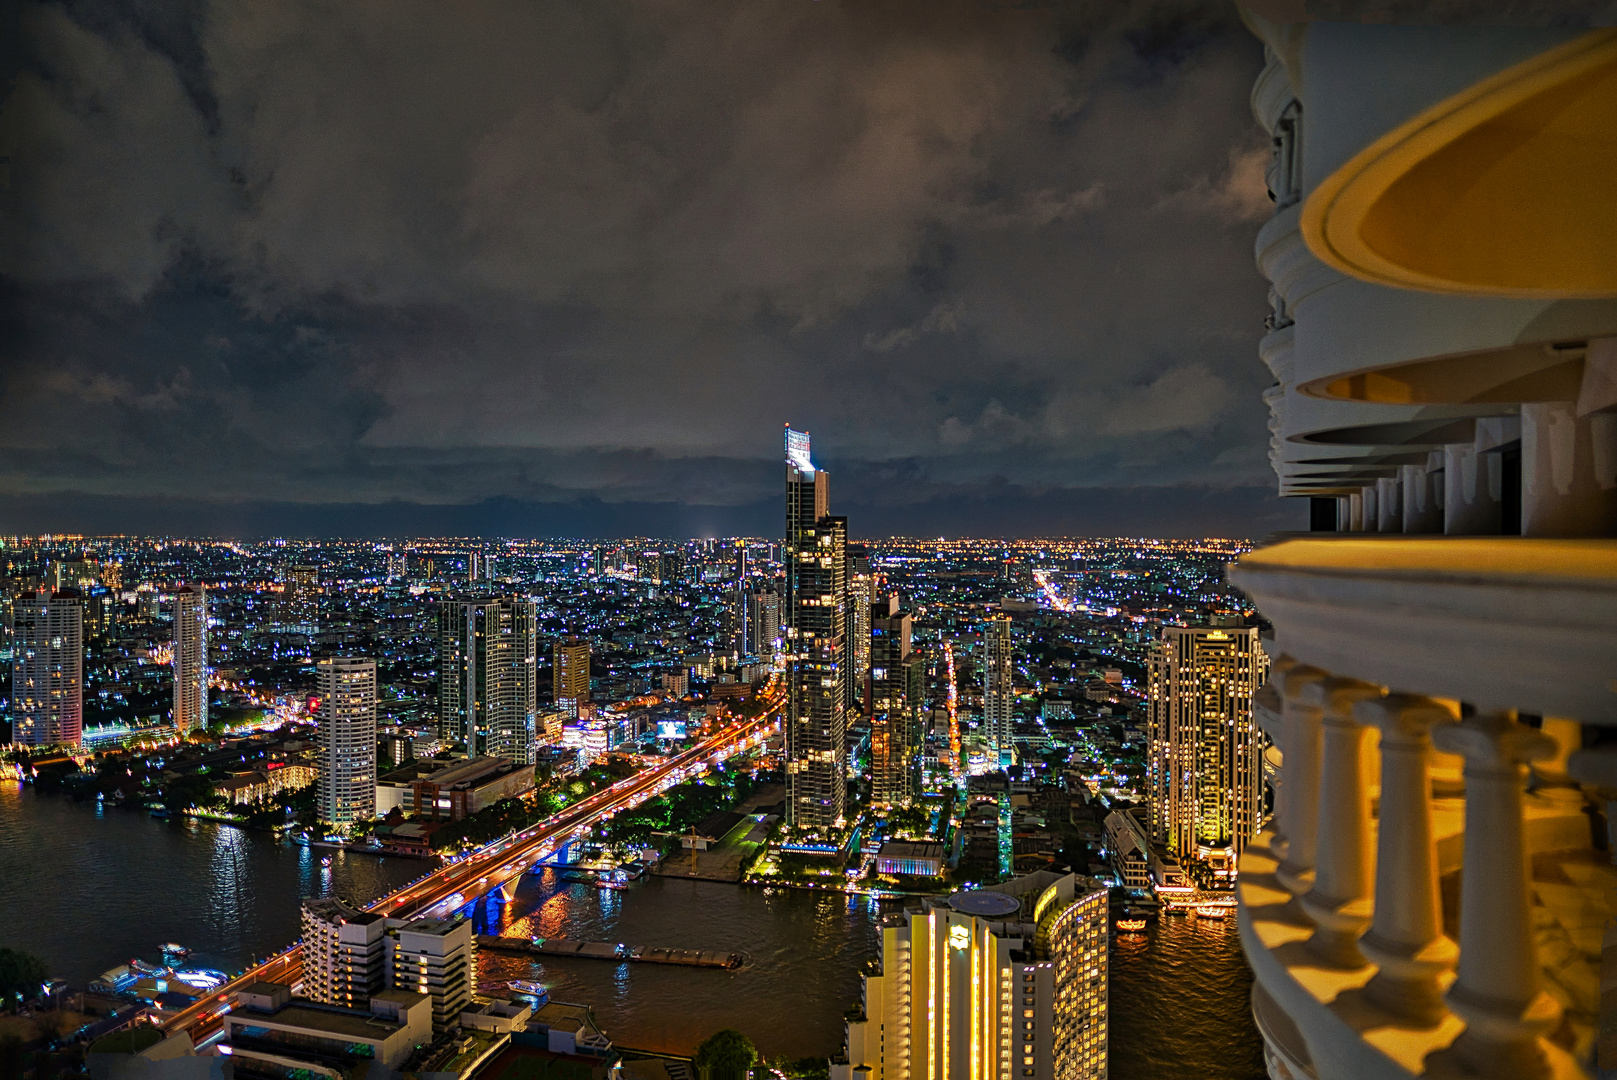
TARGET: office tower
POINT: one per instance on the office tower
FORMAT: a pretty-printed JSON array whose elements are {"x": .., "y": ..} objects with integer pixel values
[
  {"x": 300, "y": 600},
  {"x": 47, "y": 668},
  {"x": 1000, "y": 984},
  {"x": 859, "y": 601},
  {"x": 816, "y": 608},
  {"x": 488, "y": 650},
  {"x": 472, "y": 567},
  {"x": 741, "y": 563},
  {"x": 1442, "y": 347},
  {"x": 999, "y": 689},
  {"x": 1204, "y": 784},
  {"x": 437, "y": 957},
  {"x": 762, "y": 626},
  {"x": 570, "y": 674},
  {"x": 893, "y": 699},
  {"x": 190, "y": 658},
  {"x": 398, "y": 565},
  {"x": 347, "y": 720},
  {"x": 597, "y": 563},
  {"x": 345, "y": 953}
]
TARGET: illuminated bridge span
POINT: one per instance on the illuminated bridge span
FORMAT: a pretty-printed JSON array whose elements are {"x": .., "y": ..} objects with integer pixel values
[{"x": 492, "y": 866}]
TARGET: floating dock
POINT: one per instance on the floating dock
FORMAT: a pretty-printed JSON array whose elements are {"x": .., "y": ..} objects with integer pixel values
[{"x": 606, "y": 950}]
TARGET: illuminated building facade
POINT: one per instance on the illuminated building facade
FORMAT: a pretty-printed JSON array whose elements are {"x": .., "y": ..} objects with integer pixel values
[
  {"x": 860, "y": 596},
  {"x": 570, "y": 674},
  {"x": 1204, "y": 779},
  {"x": 345, "y": 953},
  {"x": 488, "y": 676},
  {"x": 190, "y": 658},
  {"x": 300, "y": 600},
  {"x": 893, "y": 696},
  {"x": 999, "y": 686},
  {"x": 437, "y": 957},
  {"x": 999, "y": 983},
  {"x": 47, "y": 668},
  {"x": 347, "y": 719},
  {"x": 816, "y": 609},
  {"x": 1443, "y": 343}
]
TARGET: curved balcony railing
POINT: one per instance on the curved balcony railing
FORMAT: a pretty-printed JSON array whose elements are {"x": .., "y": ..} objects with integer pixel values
[{"x": 1430, "y": 898}]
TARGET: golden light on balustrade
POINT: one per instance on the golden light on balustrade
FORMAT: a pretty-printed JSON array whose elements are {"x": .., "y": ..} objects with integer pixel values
[{"x": 1505, "y": 189}]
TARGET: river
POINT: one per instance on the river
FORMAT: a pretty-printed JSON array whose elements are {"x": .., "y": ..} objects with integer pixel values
[{"x": 86, "y": 888}]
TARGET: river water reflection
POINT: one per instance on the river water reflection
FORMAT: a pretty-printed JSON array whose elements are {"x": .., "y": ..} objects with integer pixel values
[{"x": 86, "y": 889}]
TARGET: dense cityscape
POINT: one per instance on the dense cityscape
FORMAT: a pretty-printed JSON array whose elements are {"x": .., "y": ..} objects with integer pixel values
[
  {"x": 916, "y": 719},
  {"x": 808, "y": 795}
]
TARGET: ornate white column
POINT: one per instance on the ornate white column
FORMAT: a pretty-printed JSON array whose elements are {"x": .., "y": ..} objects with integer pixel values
[
  {"x": 1497, "y": 989},
  {"x": 1406, "y": 939},
  {"x": 1279, "y": 841},
  {"x": 1339, "y": 901},
  {"x": 1302, "y": 764}
]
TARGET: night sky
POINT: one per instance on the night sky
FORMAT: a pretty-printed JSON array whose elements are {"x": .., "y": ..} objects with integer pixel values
[{"x": 566, "y": 268}]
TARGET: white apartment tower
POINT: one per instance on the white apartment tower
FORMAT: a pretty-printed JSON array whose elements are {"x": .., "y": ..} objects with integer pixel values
[
  {"x": 1204, "y": 779},
  {"x": 437, "y": 957},
  {"x": 999, "y": 673},
  {"x": 190, "y": 658},
  {"x": 345, "y": 953},
  {"x": 47, "y": 668},
  {"x": 347, "y": 688},
  {"x": 999, "y": 984}
]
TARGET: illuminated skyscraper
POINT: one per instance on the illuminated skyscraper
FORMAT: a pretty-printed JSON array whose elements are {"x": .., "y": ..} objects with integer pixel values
[
  {"x": 300, "y": 600},
  {"x": 893, "y": 701},
  {"x": 998, "y": 984},
  {"x": 488, "y": 675},
  {"x": 347, "y": 688},
  {"x": 860, "y": 596},
  {"x": 816, "y": 615},
  {"x": 47, "y": 668},
  {"x": 1204, "y": 781},
  {"x": 756, "y": 617},
  {"x": 570, "y": 674},
  {"x": 190, "y": 658},
  {"x": 999, "y": 689}
]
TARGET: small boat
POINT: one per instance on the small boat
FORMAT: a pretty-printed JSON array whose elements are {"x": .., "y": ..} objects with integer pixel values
[
  {"x": 325, "y": 860},
  {"x": 168, "y": 948},
  {"x": 158, "y": 810},
  {"x": 141, "y": 967},
  {"x": 529, "y": 989},
  {"x": 1212, "y": 911},
  {"x": 1131, "y": 924}
]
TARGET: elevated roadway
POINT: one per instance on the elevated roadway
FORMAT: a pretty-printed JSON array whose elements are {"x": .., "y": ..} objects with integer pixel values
[{"x": 493, "y": 865}]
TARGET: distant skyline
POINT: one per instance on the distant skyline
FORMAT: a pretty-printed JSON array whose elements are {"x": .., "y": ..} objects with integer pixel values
[{"x": 552, "y": 268}]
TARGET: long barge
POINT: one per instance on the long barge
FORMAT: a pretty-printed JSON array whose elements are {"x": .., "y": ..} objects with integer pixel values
[{"x": 606, "y": 950}]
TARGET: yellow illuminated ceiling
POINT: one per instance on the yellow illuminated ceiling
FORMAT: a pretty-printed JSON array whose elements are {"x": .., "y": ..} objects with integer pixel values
[{"x": 1508, "y": 188}]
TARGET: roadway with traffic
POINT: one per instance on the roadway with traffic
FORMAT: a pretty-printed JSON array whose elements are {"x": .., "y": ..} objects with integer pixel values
[{"x": 488, "y": 868}]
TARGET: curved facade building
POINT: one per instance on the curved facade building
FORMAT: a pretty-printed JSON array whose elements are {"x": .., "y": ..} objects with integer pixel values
[{"x": 1432, "y": 896}]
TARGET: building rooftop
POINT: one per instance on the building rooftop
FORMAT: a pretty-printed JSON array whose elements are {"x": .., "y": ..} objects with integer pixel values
[{"x": 330, "y": 1019}]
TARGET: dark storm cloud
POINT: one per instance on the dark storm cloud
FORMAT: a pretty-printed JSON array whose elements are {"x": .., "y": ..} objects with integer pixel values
[{"x": 592, "y": 255}]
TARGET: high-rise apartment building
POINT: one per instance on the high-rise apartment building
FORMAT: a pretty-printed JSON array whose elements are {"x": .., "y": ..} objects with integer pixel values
[
  {"x": 816, "y": 616},
  {"x": 1442, "y": 346},
  {"x": 347, "y": 725},
  {"x": 345, "y": 953},
  {"x": 488, "y": 652},
  {"x": 893, "y": 692},
  {"x": 999, "y": 984},
  {"x": 190, "y": 658},
  {"x": 570, "y": 674},
  {"x": 756, "y": 617},
  {"x": 300, "y": 600},
  {"x": 1204, "y": 779},
  {"x": 437, "y": 957},
  {"x": 860, "y": 597},
  {"x": 999, "y": 689},
  {"x": 47, "y": 668}
]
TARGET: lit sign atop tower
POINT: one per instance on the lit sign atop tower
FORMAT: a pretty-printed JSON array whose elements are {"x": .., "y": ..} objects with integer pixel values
[{"x": 797, "y": 451}]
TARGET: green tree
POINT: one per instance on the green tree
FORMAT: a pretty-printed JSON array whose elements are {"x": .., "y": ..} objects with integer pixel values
[
  {"x": 726, "y": 1055},
  {"x": 20, "y": 975}
]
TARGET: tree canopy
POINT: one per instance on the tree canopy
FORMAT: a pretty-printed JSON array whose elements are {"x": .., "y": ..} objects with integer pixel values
[
  {"x": 726, "y": 1055},
  {"x": 21, "y": 973}
]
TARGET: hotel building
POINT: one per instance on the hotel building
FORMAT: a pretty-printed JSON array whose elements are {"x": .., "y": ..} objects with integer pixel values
[
  {"x": 1433, "y": 896},
  {"x": 1000, "y": 983},
  {"x": 1204, "y": 778},
  {"x": 345, "y": 953},
  {"x": 47, "y": 668}
]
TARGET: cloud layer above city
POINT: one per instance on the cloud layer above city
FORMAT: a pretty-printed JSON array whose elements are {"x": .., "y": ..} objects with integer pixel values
[{"x": 577, "y": 259}]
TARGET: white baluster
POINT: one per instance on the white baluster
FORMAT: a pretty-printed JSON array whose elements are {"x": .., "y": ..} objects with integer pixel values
[
  {"x": 1279, "y": 842},
  {"x": 1497, "y": 990},
  {"x": 1406, "y": 937},
  {"x": 1339, "y": 901},
  {"x": 1301, "y": 827}
]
